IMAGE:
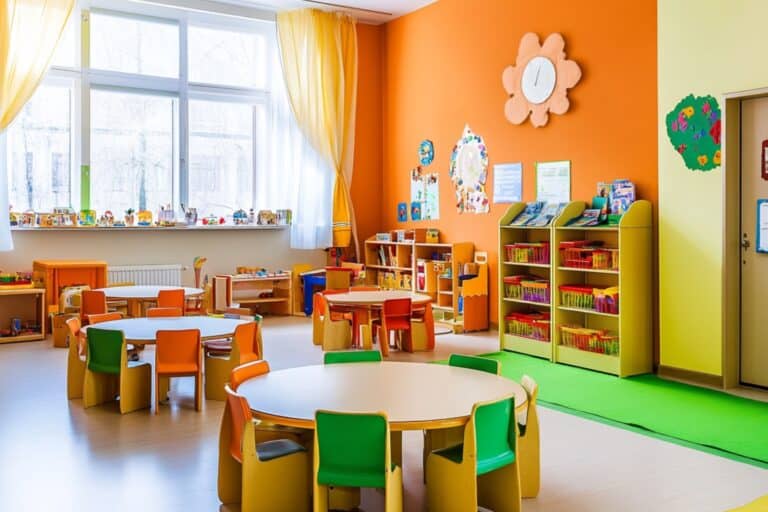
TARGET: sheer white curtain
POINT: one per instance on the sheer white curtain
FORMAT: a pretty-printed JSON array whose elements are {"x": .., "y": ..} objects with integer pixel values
[{"x": 290, "y": 173}]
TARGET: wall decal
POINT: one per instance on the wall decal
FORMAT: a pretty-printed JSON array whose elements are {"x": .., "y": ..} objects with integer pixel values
[
  {"x": 425, "y": 190},
  {"x": 469, "y": 172},
  {"x": 426, "y": 152},
  {"x": 693, "y": 128}
]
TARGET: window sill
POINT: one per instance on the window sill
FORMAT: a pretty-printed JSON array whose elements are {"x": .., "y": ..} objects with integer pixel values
[{"x": 225, "y": 227}]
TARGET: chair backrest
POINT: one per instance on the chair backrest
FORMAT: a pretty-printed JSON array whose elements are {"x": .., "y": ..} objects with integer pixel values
[
  {"x": 221, "y": 292},
  {"x": 353, "y": 449},
  {"x": 104, "y": 317},
  {"x": 171, "y": 299},
  {"x": 352, "y": 356},
  {"x": 494, "y": 428},
  {"x": 247, "y": 342},
  {"x": 240, "y": 414},
  {"x": 92, "y": 302},
  {"x": 164, "y": 312},
  {"x": 394, "y": 308},
  {"x": 532, "y": 390},
  {"x": 174, "y": 347},
  {"x": 74, "y": 343},
  {"x": 247, "y": 371},
  {"x": 105, "y": 350},
  {"x": 338, "y": 278},
  {"x": 475, "y": 363}
]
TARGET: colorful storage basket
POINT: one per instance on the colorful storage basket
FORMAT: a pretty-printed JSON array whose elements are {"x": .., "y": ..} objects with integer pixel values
[
  {"x": 528, "y": 252},
  {"x": 536, "y": 291},
  {"x": 589, "y": 340},
  {"x": 587, "y": 297},
  {"x": 529, "y": 325},
  {"x": 588, "y": 254}
]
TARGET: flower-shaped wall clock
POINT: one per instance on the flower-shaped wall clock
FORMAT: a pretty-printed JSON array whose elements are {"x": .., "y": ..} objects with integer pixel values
[{"x": 538, "y": 83}]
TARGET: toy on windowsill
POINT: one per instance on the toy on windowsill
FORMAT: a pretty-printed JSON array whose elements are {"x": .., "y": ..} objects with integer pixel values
[
  {"x": 107, "y": 220},
  {"x": 240, "y": 218},
  {"x": 130, "y": 217},
  {"x": 212, "y": 220},
  {"x": 144, "y": 218},
  {"x": 166, "y": 218},
  {"x": 88, "y": 218},
  {"x": 267, "y": 217},
  {"x": 190, "y": 215},
  {"x": 64, "y": 217}
]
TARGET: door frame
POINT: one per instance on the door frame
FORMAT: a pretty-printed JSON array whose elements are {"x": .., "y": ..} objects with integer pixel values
[{"x": 731, "y": 273}]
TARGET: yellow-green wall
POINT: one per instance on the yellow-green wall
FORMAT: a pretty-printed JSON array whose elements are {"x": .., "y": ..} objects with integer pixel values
[{"x": 705, "y": 47}]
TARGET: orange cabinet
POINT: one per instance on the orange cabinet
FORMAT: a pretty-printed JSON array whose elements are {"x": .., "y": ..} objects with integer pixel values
[{"x": 54, "y": 275}]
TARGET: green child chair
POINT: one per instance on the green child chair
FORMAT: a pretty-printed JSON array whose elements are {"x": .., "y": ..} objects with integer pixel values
[
  {"x": 352, "y": 356},
  {"x": 108, "y": 373},
  {"x": 441, "y": 438},
  {"x": 481, "y": 471},
  {"x": 353, "y": 450}
]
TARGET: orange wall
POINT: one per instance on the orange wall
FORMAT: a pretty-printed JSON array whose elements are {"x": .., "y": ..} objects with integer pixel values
[
  {"x": 442, "y": 69},
  {"x": 366, "y": 177}
]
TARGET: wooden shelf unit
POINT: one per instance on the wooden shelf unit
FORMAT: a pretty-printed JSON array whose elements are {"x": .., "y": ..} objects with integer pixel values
[
  {"x": 247, "y": 292},
  {"x": 421, "y": 267},
  {"x": 520, "y": 234},
  {"x": 28, "y": 304},
  {"x": 633, "y": 324}
]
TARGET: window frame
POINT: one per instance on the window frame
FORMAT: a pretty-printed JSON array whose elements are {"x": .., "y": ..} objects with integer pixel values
[{"x": 85, "y": 79}]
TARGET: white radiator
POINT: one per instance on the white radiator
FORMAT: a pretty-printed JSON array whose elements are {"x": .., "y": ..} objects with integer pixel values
[{"x": 140, "y": 275}]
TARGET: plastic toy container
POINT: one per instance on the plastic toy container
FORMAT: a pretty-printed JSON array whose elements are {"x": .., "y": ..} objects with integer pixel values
[
  {"x": 528, "y": 252},
  {"x": 572, "y": 296},
  {"x": 589, "y": 340},
  {"x": 512, "y": 288},
  {"x": 606, "y": 300},
  {"x": 529, "y": 325},
  {"x": 536, "y": 291}
]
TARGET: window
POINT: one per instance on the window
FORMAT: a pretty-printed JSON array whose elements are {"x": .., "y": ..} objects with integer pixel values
[
  {"x": 133, "y": 150},
  {"x": 137, "y": 45},
  {"x": 220, "y": 156},
  {"x": 227, "y": 57},
  {"x": 38, "y": 151}
]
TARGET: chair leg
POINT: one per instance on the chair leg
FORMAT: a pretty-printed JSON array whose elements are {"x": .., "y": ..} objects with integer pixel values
[
  {"x": 529, "y": 457},
  {"x": 229, "y": 483},
  {"x": 393, "y": 494},
  {"x": 199, "y": 391},
  {"x": 75, "y": 377},
  {"x": 500, "y": 490},
  {"x": 99, "y": 388},
  {"x": 157, "y": 393},
  {"x": 135, "y": 388},
  {"x": 452, "y": 487},
  {"x": 384, "y": 341}
]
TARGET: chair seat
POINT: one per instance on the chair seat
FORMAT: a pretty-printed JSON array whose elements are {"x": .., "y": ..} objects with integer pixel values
[
  {"x": 103, "y": 368},
  {"x": 136, "y": 364},
  {"x": 456, "y": 453},
  {"x": 270, "y": 450},
  {"x": 177, "y": 368},
  {"x": 220, "y": 346},
  {"x": 343, "y": 478}
]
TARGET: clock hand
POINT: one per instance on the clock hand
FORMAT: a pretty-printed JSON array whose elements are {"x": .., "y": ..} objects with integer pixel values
[{"x": 536, "y": 80}]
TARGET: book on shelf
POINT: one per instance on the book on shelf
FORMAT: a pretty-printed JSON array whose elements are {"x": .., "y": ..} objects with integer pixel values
[
  {"x": 531, "y": 211},
  {"x": 590, "y": 217},
  {"x": 547, "y": 215}
]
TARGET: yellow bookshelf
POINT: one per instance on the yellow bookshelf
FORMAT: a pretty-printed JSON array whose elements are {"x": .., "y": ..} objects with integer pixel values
[
  {"x": 633, "y": 323},
  {"x": 518, "y": 234}
]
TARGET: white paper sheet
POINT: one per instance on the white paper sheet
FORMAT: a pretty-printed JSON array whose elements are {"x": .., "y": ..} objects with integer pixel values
[
  {"x": 553, "y": 181},
  {"x": 508, "y": 183}
]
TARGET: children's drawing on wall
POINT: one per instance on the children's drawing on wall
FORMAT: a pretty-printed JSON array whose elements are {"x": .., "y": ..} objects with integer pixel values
[
  {"x": 469, "y": 172},
  {"x": 425, "y": 190},
  {"x": 402, "y": 212},
  {"x": 426, "y": 152},
  {"x": 415, "y": 210},
  {"x": 693, "y": 128}
]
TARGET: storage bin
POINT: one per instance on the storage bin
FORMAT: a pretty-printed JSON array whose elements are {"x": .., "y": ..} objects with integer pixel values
[
  {"x": 573, "y": 296},
  {"x": 589, "y": 340},
  {"x": 528, "y": 252},
  {"x": 606, "y": 300},
  {"x": 536, "y": 291},
  {"x": 529, "y": 325},
  {"x": 512, "y": 288}
]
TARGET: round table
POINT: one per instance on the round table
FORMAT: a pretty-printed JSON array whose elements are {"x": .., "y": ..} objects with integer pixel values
[
  {"x": 374, "y": 298},
  {"x": 143, "y": 331},
  {"x": 136, "y": 295},
  {"x": 415, "y": 396}
]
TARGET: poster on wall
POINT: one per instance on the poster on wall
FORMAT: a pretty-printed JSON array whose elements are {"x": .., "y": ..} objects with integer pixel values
[
  {"x": 469, "y": 172},
  {"x": 402, "y": 212},
  {"x": 508, "y": 183},
  {"x": 553, "y": 181},
  {"x": 762, "y": 225},
  {"x": 693, "y": 128},
  {"x": 425, "y": 190}
]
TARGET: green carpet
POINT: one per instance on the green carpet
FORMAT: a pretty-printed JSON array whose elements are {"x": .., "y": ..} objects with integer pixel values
[{"x": 696, "y": 416}]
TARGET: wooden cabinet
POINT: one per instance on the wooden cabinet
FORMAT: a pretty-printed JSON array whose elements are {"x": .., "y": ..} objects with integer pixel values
[
  {"x": 273, "y": 293},
  {"x": 26, "y": 304},
  {"x": 54, "y": 275},
  {"x": 433, "y": 269}
]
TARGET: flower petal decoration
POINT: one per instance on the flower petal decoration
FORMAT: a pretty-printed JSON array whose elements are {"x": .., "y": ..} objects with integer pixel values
[
  {"x": 693, "y": 129},
  {"x": 518, "y": 107}
]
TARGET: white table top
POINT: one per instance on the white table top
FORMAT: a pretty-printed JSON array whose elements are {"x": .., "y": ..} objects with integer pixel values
[
  {"x": 375, "y": 298},
  {"x": 415, "y": 396},
  {"x": 144, "y": 330},
  {"x": 145, "y": 292}
]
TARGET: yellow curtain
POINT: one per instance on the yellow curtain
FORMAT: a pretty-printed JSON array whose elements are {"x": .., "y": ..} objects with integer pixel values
[
  {"x": 319, "y": 57},
  {"x": 29, "y": 33}
]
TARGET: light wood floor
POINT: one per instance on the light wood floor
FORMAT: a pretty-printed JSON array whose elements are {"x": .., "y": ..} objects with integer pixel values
[{"x": 55, "y": 456}]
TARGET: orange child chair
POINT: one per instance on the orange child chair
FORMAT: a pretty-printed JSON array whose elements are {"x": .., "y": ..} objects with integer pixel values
[
  {"x": 395, "y": 316},
  {"x": 75, "y": 362},
  {"x": 218, "y": 368},
  {"x": 104, "y": 317},
  {"x": 92, "y": 302},
  {"x": 171, "y": 299},
  {"x": 178, "y": 354},
  {"x": 164, "y": 312},
  {"x": 230, "y": 476}
]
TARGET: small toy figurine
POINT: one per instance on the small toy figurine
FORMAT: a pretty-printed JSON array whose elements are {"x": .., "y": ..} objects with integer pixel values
[
  {"x": 88, "y": 217},
  {"x": 130, "y": 218},
  {"x": 145, "y": 218},
  {"x": 14, "y": 217},
  {"x": 251, "y": 217},
  {"x": 240, "y": 218}
]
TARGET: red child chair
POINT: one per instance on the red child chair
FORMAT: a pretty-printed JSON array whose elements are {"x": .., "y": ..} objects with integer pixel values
[
  {"x": 395, "y": 316},
  {"x": 92, "y": 302}
]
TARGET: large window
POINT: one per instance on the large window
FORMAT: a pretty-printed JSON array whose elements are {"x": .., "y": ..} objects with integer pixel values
[
  {"x": 39, "y": 152},
  {"x": 132, "y": 150}
]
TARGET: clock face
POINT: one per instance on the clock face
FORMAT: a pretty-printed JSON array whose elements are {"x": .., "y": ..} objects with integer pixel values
[{"x": 539, "y": 79}]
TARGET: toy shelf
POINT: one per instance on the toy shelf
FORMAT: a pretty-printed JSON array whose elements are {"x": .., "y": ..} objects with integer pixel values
[
  {"x": 26, "y": 304},
  {"x": 509, "y": 305},
  {"x": 633, "y": 322},
  {"x": 389, "y": 264}
]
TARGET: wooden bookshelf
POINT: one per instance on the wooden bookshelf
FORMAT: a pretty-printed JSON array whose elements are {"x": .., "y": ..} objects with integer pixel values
[{"x": 27, "y": 304}]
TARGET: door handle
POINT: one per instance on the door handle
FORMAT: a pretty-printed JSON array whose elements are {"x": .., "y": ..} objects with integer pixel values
[{"x": 745, "y": 244}]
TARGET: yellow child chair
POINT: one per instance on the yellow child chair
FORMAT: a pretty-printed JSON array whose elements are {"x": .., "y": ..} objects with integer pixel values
[
  {"x": 353, "y": 450},
  {"x": 108, "y": 373},
  {"x": 318, "y": 314},
  {"x": 337, "y": 334},
  {"x": 243, "y": 349},
  {"x": 528, "y": 445},
  {"x": 483, "y": 470},
  {"x": 255, "y": 472},
  {"x": 75, "y": 363}
]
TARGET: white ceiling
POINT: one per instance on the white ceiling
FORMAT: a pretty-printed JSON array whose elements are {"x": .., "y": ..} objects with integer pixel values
[{"x": 369, "y": 11}]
